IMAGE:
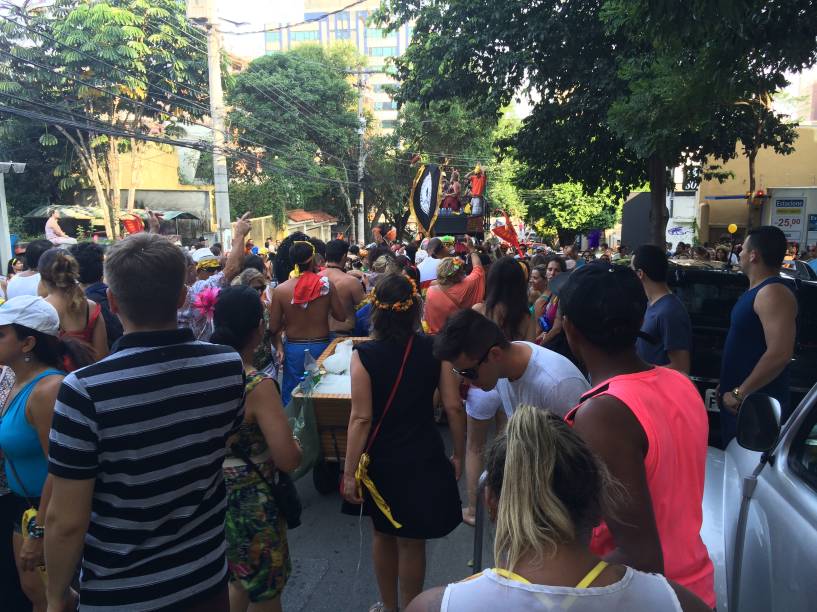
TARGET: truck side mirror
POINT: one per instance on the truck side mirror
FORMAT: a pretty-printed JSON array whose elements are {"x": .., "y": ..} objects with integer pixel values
[{"x": 759, "y": 423}]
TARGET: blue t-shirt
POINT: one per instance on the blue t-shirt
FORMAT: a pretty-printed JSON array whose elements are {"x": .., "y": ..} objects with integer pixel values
[{"x": 667, "y": 322}]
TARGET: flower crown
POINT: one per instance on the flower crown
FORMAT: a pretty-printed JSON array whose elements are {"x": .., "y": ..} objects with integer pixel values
[{"x": 401, "y": 306}]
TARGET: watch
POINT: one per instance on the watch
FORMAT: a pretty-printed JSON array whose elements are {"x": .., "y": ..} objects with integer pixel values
[{"x": 737, "y": 394}]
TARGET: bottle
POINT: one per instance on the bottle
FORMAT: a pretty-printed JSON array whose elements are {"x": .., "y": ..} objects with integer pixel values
[{"x": 312, "y": 374}]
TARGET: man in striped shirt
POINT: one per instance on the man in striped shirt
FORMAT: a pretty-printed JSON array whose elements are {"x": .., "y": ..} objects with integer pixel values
[{"x": 136, "y": 448}]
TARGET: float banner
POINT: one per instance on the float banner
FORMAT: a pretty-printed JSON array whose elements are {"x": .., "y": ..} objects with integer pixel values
[{"x": 426, "y": 192}]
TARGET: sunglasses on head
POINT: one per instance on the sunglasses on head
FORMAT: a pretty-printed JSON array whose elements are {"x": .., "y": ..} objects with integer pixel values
[{"x": 472, "y": 373}]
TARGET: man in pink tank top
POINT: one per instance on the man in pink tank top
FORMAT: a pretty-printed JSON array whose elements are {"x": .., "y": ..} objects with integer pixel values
[{"x": 648, "y": 424}]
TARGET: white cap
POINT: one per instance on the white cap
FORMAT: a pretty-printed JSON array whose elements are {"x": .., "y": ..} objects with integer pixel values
[
  {"x": 33, "y": 312},
  {"x": 202, "y": 254}
]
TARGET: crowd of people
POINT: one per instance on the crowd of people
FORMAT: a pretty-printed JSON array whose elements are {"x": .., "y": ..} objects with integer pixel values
[{"x": 145, "y": 440}]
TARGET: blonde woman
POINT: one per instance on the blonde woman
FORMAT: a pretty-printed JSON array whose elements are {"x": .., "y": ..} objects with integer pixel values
[
  {"x": 80, "y": 318},
  {"x": 546, "y": 491},
  {"x": 454, "y": 290}
]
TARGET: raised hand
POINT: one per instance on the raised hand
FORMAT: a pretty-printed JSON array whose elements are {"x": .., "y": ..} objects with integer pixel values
[{"x": 243, "y": 225}]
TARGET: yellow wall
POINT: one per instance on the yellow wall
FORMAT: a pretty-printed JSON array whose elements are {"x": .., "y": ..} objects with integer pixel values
[
  {"x": 796, "y": 170},
  {"x": 160, "y": 170}
]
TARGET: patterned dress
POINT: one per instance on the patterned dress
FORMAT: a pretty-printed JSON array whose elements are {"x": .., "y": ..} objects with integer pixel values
[{"x": 257, "y": 549}]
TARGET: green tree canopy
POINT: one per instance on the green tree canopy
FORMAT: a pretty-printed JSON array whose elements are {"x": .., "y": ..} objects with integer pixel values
[
  {"x": 616, "y": 100},
  {"x": 297, "y": 114},
  {"x": 102, "y": 74},
  {"x": 567, "y": 207}
]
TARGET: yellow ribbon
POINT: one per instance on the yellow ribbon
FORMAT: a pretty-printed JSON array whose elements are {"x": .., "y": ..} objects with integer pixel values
[
  {"x": 208, "y": 264},
  {"x": 362, "y": 477},
  {"x": 296, "y": 271}
]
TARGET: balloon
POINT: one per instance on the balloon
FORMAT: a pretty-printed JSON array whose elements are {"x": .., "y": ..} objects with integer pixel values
[{"x": 732, "y": 228}]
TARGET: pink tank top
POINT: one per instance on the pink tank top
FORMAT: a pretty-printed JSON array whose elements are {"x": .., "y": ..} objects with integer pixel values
[{"x": 673, "y": 417}]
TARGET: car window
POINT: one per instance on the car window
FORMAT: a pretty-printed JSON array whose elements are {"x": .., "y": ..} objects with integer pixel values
[{"x": 803, "y": 458}]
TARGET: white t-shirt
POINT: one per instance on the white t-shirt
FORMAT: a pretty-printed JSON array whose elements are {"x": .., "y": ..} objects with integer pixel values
[
  {"x": 488, "y": 591},
  {"x": 482, "y": 405},
  {"x": 550, "y": 382},
  {"x": 22, "y": 285},
  {"x": 428, "y": 269}
]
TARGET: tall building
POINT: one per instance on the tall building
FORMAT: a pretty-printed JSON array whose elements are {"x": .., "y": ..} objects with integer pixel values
[{"x": 349, "y": 26}]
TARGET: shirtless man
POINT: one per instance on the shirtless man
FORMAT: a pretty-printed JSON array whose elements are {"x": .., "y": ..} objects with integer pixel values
[
  {"x": 349, "y": 289},
  {"x": 300, "y": 307}
]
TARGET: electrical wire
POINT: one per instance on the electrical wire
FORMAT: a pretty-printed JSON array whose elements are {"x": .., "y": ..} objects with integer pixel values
[
  {"x": 300, "y": 23},
  {"x": 198, "y": 145},
  {"x": 121, "y": 70},
  {"x": 142, "y": 104}
]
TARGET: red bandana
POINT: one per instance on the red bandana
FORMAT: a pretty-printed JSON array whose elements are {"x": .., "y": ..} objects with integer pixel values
[{"x": 309, "y": 287}]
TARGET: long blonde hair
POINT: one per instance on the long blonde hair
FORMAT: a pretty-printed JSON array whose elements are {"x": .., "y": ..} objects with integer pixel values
[
  {"x": 552, "y": 490},
  {"x": 60, "y": 270}
]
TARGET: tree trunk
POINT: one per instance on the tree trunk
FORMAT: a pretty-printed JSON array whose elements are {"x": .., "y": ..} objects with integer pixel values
[
  {"x": 350, "y": 212},
  {"x": 135, "y": 173},
  {"x": 114, "y": 196},
  {"x": 657, "y": 173},
  {"x": 752, "y": 187}
]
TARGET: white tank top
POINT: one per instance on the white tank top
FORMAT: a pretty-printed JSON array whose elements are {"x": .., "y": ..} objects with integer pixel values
[
  {"x": 489, "y": 592},
  {"x": 23, "y": 285}
]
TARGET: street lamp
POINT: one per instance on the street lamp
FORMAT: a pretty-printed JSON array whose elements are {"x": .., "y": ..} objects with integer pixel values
[{"x": 5, "y": 236}]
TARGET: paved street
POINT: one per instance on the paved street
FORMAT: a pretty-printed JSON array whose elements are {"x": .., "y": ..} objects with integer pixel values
[{"x": 328, "y": 547}]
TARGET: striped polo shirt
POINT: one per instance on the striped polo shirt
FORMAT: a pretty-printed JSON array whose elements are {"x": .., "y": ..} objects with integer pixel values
[{"x": 150, "y": 424}]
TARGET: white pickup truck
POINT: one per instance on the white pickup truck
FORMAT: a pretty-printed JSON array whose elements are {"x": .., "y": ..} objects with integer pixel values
[{"x": 760, "y": 510}]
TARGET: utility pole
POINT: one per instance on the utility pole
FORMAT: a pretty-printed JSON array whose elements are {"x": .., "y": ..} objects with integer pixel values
[
  {"x": 5, "y": 234},
  {"x": 361, "y": 158},
  {"x": 203, "y": 11}
]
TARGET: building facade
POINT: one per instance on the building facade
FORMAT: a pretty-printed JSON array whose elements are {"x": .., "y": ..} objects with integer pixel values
[
  {"x": 789, "y": 187},
  {"x": 349, "y": 26}
]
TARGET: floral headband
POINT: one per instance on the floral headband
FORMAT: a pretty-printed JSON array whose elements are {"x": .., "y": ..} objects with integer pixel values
[{"x": 401, "y": 306}]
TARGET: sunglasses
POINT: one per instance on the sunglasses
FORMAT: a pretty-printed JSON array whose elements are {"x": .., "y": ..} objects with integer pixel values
[{"x": 472, "y": 373}]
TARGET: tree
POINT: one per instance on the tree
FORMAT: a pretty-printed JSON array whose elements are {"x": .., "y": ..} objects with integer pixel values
[
  {"x": 614, "y": 107},
  {"x": 37, "y": 186},
  {"x": 446, "y": 132},
  {"x": 387, "y": 182},
  {"x": 570, "y": 209},
  {"x": 266, "y": 198},
  {"x": 297, "y": 114},
  {"x": 736, "y": 57},
  {"x": 105, "y": 73}
]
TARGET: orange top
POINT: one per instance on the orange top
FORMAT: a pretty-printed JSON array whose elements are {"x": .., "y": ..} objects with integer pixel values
[
  {"x": 673, "y": 417},
  {"x": 478, "y": 184},
  {"x": 444, "y": 300}
]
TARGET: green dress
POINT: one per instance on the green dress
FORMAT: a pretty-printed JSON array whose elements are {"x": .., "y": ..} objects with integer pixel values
[{"x": 257, "y": 549}]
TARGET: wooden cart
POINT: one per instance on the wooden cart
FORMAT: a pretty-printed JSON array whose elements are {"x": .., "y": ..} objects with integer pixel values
[{"x": 332, "y": 420}]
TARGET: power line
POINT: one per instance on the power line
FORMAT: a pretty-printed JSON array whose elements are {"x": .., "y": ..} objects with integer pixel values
[
  {"x": 300, "y": 23},
  {"x": 198, "y": 145},
  {"x": 137, "y": 102},
  {"x": 121, "y": 70}
]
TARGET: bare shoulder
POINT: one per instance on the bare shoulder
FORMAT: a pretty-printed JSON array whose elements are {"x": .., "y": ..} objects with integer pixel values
[
  {"x": 775, "y": 297},
  {"x": 480, "y": 308},
  {"x": 427, "y": 601},
  {"x": 608, "y": 420},
  {"x": 47, "y": 388}
]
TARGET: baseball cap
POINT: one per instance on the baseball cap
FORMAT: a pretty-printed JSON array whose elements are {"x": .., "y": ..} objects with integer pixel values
[
  {"x": 203, "y": 254},
  {"x": 31, "y": 311},
  {"x": 606, "y": 303}
]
